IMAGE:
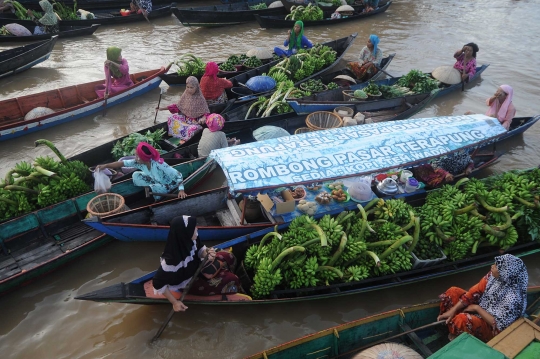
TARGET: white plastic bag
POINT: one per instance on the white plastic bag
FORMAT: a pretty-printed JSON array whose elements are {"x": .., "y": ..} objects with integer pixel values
[{"x": 102, "y": 183}]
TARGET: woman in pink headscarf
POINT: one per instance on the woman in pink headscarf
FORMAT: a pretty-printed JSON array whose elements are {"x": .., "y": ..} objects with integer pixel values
[
  {"x": 212, "y": 137},
  {"x": 501, "y": 106},
  {"x": 154, "y": 172},
  {"x": 213, "y": 87}
]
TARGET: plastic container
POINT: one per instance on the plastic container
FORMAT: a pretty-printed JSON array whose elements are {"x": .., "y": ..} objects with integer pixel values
[
  {"x": 360, "y": 191},
  {"x": 411, "y": 185},
  {"x": 405, "y": 174},
  {"x": 421, "y": 263}
]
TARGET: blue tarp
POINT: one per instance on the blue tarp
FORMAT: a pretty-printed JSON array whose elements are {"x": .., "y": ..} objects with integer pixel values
[{"x": 350, "y": 151}]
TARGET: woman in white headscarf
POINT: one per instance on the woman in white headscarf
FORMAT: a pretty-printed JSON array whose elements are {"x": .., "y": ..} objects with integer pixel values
[{"x": 501, "y": 106}]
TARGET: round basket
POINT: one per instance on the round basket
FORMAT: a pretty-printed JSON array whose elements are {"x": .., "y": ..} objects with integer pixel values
[
  {"x": 106, "y": 204},
  {"x": 323, "y": 120},
  {"x": 303, "y": 130},
  {"x": 375, "y": 97},
  {"x": 350, "y": 111},
  {"x": 348, "y": 96}
]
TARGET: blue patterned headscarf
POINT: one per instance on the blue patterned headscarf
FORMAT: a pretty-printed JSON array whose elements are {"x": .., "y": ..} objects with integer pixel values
[{"x": 375, "y": 41}]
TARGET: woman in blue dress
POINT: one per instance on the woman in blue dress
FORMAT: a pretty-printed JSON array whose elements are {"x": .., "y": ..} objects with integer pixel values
[
  {"x": 295, "y": 41},
  {"x": 154, "y": 172}
]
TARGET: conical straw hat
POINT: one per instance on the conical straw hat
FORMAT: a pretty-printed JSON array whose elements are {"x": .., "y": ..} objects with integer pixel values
[
  {"x": 260, "y": 52},
  {"x": 346, "y": 78},
  {"x": 275, "y": 4},
  {"x": 447, "y": 75},
  {"x": 388, "y": 351},
  {"x": 345, "y": 8}
]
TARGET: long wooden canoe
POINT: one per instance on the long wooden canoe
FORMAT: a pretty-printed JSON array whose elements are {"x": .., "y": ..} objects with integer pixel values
[
  {"x": 278, "y": 21},
  {"x": 65, "y": 31},
  {"x": 328, "y": 100},
  {"x": 39, "y": 242},
  {"x": 113, "y": 17},
  {"x": 22, "y": 58},
  {"x": 70, "y": 103},
  {"x": 224, "y": 15},
  {"x": 134, "y": 291},
  {"x": 288, "y": 4},
  {"x": 92, "y": 4},
  {"x": 348, "y": 339}
]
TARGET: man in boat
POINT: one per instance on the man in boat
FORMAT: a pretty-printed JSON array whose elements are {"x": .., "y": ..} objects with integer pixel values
[{"x": 154, "y": 172}]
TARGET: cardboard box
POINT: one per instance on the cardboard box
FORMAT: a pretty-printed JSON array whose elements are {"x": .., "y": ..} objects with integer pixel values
[{"x": 284, "y": 207}]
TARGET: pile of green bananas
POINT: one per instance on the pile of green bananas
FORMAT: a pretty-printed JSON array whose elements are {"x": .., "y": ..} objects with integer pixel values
[{"x": 27, "y": 187}]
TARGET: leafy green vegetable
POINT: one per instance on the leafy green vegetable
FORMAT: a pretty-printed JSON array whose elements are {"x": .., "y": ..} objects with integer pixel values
[{"x": 127, "y": 146}]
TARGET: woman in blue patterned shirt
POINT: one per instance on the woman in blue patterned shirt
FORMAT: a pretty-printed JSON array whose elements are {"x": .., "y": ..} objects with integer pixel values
[{"x": 154, "y": 172}]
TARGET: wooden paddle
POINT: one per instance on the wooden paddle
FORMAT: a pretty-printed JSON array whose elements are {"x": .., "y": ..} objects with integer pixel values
[
  {"x": 393, "y": 337},
  {"x": 184, "y": 292},
  {"x": 105, "y": 105},
  {"x": 384, "y": 72},
  {"x": 159, "y": 102}
]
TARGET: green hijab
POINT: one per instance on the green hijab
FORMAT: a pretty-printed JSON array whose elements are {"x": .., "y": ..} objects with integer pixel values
[
  {"x": 296, "y": 41},
  {"x": 49, "y": 18},
  {"x": 112, "y": 55}
]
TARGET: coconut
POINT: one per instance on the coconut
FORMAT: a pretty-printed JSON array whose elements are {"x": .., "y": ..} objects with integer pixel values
[
  {"x": 38, "y": 112},
  {"x": 18, "y": 30},
  {"x": 260, "y": 52},
  {"x": 447, "y": 74},
  {"x": 275, "y": 4}
]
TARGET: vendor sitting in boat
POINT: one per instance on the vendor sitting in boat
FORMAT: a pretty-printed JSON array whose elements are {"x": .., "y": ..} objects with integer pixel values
[
  {"x": 48, "y": 23},
  {"x": 369, "y": 60},
  {"x": 180, "y": 260},
  {"x": 490, "y": 306},
  {"x": 212, "y": 137},
  {"x": 141, "y": 7},
  {"x": 295, "y": 41},
  {"x": 443, "y": 170},
  {"x": 370, "y": 5},
  {"x": 466, "y": 61},
  {"x": 116, "y": 68},
  {"x": 213, "y": 87},
  {"x": 154, "y": 172},
  {"x": 501, "y": 106}
]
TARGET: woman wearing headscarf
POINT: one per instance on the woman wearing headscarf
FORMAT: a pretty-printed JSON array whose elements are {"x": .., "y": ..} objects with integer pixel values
[
  {"x": 369, "y": 60},
  {"x": 116, "y": 74},
  {"x": 153, "y": 171},
  {"x": 141, "y": 7},
  {"x": 370, "y": 5},
  {"x": 48, "y": 24},
  {"x": 182, "y": 256},
  {"x": 212, "y": 137},
  {"x": 466, "y": 61},
  {"x": 295, "y": 41},
  {"x": 213, "y": 87},
  {"x": 501, "y": 106},
  {"x": 490, "y": 306},
  {"x": 189, "y": 113}
]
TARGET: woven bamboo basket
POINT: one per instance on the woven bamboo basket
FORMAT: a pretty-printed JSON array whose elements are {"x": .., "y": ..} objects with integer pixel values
[
  {"x": 350, "y": 111},
  {"x": 302, "y": 130},
  {"x": 323, "y": 120},
  {"x": 106, "y": 204},
  {"x": 348, "y": 96}
]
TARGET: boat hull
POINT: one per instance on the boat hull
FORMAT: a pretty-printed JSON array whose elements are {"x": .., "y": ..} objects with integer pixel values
[
  {"x": 156, "y": 13},
  {"x": 20, "y": 59},
  {"x": 65, "y": 31}
]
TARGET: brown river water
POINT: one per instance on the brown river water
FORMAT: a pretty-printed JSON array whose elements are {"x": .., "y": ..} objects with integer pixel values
[{"x": 43, "y": 320}]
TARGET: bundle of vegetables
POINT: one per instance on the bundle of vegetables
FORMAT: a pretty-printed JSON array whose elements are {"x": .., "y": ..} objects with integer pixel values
[
  {"x": 4, "y": 31},
  {"x": 234, "y": 60},
  {"x": 332, "y": 86},
  {"x": 418, "y": 82},
  {"x": 253, "y": 61},
  {"x": 372, "y": 89},
  {"x": 127, "y": 146},
  {"x": 350, "y": 247},
  {"x": 394, "y": 91},
  {"x": 277, "y": 102},
  {"x": 28, "y": 186},
  {"x": 227, "y": 66},
  {"x": 258, "y": 6},
  {"x": 313, "y": 86},
  {"x": 65, "y": 12},
  {"x": 190, "y": 65},
  {"x": 21, "y": 12},
  {"x": 308, "y": 13}
]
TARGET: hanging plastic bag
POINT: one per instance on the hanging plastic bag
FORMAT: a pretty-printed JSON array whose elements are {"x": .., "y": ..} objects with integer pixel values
[{"x": 102, "y": 182}]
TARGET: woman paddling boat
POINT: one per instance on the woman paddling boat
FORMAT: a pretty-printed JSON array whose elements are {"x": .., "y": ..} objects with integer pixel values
[{"x": 116, "y": 74}]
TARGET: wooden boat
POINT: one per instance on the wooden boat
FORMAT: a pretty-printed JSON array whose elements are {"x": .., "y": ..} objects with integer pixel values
[
  {"x": 382, "y": 110},
  {"x": 341, "y": 46},
  {"x": 412, "y": 326},
  {"x": 288, "y": 4},
  {"x": 92, "y": 4},
  {"x": 113, "y": 17},
  {"x": 39, "y": 242},
  {"x": 138, "y": 224},
  {"x": 134, "y": 291},
  {"x": 224, "y": 15},
  {"x": 65, "y": 31},
  {"x": 22, "y": 58},
  {"x": 278, "y": 21},
  {"x": 328, "y": 100},
  {"x": 70, "y": 103}
]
